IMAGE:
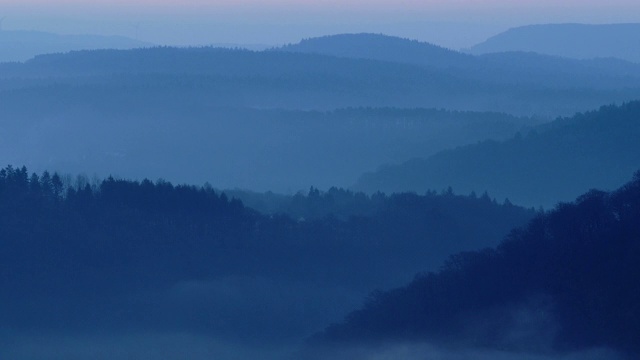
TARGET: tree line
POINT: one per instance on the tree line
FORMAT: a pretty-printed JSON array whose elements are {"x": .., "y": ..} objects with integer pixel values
[{"x": 566, "y": 281}]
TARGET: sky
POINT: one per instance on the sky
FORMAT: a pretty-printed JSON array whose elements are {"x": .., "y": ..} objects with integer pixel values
[{"x": 451, "y": 23}]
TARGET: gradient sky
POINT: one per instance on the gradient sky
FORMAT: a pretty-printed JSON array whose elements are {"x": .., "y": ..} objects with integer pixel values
[{"x": 451, "y": 23}]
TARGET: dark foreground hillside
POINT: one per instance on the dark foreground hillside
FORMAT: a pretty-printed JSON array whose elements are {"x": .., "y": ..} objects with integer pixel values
[
  {"x": 117, "y": 263},
  {"x": 566, "y": 282},
  {"x": 554, "y": 162}
]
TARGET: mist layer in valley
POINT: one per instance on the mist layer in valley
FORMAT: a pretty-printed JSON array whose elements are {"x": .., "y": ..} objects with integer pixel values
[
  {"x": 318, "y": 113},
  {"x": 552, "y": 162},
  {"x": 118, "y": 260}
]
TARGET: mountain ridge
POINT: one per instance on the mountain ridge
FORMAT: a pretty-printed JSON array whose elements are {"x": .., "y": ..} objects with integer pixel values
[
  {"x": 580, "y": 41},
  {"x": 555, "y": 162},
  {"x": 378, "y": 47}
]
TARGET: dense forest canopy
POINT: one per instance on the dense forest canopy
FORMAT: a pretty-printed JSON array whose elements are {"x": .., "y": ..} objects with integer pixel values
[
  {"x": 101, "y": 247},
  {"x": 567, "y": 281}
]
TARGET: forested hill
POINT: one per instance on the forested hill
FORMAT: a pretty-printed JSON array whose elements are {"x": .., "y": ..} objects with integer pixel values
[
  {"x": 555, "y": 162},
  {"x": 281, "y": 79},
  {"x": 193, "y": 60},
  {"x": 581, "y": 41},
  {"x": 241, "y": 78},
  {"x": 184, "y": 258},
  {"x": 384, "y": 48},
  {"x": 507, "y": 67},
  {"x": 568, "y": 281}
]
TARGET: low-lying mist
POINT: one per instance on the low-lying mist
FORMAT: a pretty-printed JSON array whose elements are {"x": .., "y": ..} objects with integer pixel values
[
  {"x": 425, "y": 351},
  {"x": 185, "y": 345},
  {"x": 139, "y": 346}
]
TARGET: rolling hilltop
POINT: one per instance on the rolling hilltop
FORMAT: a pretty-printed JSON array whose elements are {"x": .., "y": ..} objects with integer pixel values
[
  {"x": 384, "y": 48},
  {"x": 513, "y": 67}
]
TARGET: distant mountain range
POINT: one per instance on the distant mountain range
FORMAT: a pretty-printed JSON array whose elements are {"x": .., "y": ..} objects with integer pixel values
[
  {"x": 177, "y": 101},
  {"x": 580, "y": 41},
  {"x": 320, "y": 78},
  {"x": 23, "y": 45},
  {"x": 514, "y": 68},
  {"x": 554, "y": 162}
]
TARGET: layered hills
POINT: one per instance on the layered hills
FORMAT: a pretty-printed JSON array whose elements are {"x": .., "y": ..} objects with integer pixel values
[{"x": 118, "y": 109}]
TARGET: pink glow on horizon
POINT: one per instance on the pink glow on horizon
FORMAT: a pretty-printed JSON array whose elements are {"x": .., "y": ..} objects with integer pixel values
[
  {"x": 451, "y": 23},
  {"x": 493, "y": 12},
  {"x": 362, "y": 4}
]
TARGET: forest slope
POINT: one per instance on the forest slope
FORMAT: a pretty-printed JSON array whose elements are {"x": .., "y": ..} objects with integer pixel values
[
  {"x": 555, "y": 162},
  {"x": 567, "y": 281},
  {"x": 153, "y": 257}
]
